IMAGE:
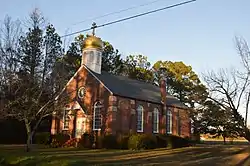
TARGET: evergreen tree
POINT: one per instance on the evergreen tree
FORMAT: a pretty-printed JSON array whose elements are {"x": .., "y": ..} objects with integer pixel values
[{"x": 34, "y": 85}]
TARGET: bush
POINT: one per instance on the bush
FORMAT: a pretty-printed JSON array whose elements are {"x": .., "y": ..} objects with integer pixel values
[
  {"x": 86, "y": 140},
  {"x": 122, "y": 141},
  {"x": 119, "y": 141},
  {"x": 108, "y": 142},
  {"x": 59, "y": 139},
  {"x": 71, "y": 142},
  {"x": 162, "y": 141},
  {"x": 142, "y": 141},
  {"x": 177, "y": 142},
  {"x": 42, "y": 138}
]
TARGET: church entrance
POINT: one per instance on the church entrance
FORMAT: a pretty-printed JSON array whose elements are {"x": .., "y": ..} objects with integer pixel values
[{"x": 80, "y": 126}]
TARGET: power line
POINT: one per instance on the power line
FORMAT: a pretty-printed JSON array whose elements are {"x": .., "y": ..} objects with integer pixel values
[
  {"x": 117, "y": 12},
  {"x": 131, "y": 17}
]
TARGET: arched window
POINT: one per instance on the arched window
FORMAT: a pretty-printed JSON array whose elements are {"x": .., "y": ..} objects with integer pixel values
[
  {"x": 156, "y": 121},
  {"x": 66, "y": 119},
  {"x": 169, "y": 121},
  {"x": 98, "y": 58},
  {"x": 91, "y": 56},
  {"x": 139, "y": 118},
  {"x": 97, "y": 118}
]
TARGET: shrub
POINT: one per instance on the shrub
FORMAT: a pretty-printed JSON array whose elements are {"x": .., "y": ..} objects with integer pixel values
[
  {"x": 177, "y": 142},
  {"x": 142, "y": 141},
  {"x": 162, "y": 141},
  {"x": 108, "y": 142},
  {"x": 59, "y": 139},
  {"x": 122, "y": 141},
  {"x": 55, "y": 144},
  {"x": 42, "y": 138},
  {"x": 119, "y": 141},
  {"x": 71, "y": 142},
  {"x": 86, "y": 140}
]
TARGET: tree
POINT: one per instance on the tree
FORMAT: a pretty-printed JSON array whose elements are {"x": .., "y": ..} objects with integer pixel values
[
  {"x": 111, "y": 60},
  {"x": 217, "y": 121},
  {"x": 184, "y": 83},
  {"x": 138, "y": 67},
  {"x": 34, "y": 88},
  {"x": 9, "y": 46},
  {"x": 230, "y": 87},
  {"x": 69, "y": 63}
]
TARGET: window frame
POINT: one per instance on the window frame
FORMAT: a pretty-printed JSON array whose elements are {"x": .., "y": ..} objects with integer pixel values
[
  {"x": 91, "y": 55},
  {"x": 140, "y": 109},
  {"x": 156, "y": 118},
  {"x": 97, "y": 105},
  {"x": 98, "y": 58},
  {"x": 64, "y": 119},
  {"x": 169, "y": 127}
]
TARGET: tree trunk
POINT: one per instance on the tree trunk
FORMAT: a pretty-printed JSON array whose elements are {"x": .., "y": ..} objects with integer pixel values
[
  {"x": 224, "y": 140},
  {"x": 247, "y": 105},
  {"x": 29, "y": 135},
  {"x": 244, "y": 132},
  {"x": 247, "y": 134},
  {"x": 29, "y": 142},
  {"x": 30, "y": 132}
]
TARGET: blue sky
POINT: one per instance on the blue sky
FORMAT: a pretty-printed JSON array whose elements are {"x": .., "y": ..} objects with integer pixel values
[{"x": 200, "y": 34}]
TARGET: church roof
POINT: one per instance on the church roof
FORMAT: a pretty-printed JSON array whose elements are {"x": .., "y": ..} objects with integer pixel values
[{"x": 126, "y": 87}]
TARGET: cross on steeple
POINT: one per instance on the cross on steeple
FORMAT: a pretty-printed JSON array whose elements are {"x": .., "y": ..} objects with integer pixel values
[{"x": 93, "y": 28}]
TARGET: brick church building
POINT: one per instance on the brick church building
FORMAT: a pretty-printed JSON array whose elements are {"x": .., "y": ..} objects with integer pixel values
[{"x": 107, "y": 103}]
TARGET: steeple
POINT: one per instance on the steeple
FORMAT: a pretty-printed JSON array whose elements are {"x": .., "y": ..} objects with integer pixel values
[{"x": 92, "y": 51}]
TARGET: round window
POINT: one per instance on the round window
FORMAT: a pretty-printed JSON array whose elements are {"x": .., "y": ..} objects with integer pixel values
[{"x": 81, "y": 92}]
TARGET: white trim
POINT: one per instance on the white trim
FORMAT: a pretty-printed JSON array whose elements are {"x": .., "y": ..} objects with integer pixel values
[
  {"x": 63, "y": 126},
  {"x": 169, "y": 117},
  {"x": 76, "y": 106},
  {"x": 140, "y": 108},
  {"x": 96, "y": 106},
  {"x": 156, "y": 114}
]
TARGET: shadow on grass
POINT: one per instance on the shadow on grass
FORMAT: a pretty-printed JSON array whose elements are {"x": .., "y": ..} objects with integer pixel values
[
  {"x": 191, "y": 155},
  {"x": 195, "y": 157}
]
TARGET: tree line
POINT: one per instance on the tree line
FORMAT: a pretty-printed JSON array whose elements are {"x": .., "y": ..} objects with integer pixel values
[{"x": 34, "y": 67}]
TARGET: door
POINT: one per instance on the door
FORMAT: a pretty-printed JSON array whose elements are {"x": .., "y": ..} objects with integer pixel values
[{"x": 79, "y": 127}]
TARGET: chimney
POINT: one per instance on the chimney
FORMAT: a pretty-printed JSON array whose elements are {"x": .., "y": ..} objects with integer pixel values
[{"x": 163, "y": 92}]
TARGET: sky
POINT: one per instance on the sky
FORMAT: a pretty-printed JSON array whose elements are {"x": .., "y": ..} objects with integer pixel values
[{"x": 200, "y": 34}]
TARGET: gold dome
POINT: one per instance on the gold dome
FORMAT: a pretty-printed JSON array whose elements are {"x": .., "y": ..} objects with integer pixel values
[{"x": 92, "y": 42}]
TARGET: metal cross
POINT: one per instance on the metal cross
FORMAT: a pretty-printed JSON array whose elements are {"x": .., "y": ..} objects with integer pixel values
[{"x": 93, "y": 27}]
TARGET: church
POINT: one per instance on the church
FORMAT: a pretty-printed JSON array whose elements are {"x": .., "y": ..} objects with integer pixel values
[{"x": 104, "y": 103}]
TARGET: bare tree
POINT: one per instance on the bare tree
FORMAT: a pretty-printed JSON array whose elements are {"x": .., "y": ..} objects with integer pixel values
[
  {"x": 230, "y": 88},
  {"x": 34, "y": 87},
  {"x": 10, "y": 33}
]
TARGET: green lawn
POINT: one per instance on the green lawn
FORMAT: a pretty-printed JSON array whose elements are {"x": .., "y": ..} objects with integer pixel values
[{"x": 203, "y": 155}]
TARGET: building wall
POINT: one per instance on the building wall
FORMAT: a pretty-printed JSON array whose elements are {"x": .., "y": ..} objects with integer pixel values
[
  {"x": 98, "y": 93},
  {"x": 125, "y": 117},
  {"x": 119, "y": 114}
]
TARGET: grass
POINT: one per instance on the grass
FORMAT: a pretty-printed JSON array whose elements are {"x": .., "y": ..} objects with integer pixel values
[{"x": 202, "y": 155}]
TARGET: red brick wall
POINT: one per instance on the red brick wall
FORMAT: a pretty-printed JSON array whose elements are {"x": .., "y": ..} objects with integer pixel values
[
  {"x": 125, "y": 116},
  {"x": 119, "y": 113},
  {"x": 99, "y": 93}
]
